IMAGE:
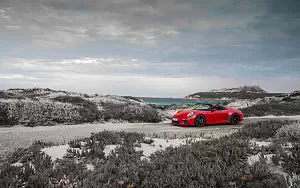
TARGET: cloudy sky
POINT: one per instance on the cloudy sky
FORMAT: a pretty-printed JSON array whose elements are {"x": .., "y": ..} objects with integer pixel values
[{"x": 164, "y": 48}]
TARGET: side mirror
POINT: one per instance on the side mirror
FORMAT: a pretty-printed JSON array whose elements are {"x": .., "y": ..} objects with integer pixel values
[{"x": 214, "y": 109}]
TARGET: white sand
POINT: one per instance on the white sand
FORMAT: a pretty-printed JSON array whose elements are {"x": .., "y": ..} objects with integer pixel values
[
  {"x": 17, "y": 164},
  {"x": 260, "y": 144},
  {"x": 109, "y": 148},
  {"x": 273, "y": 168},
  {"x": 162, "y": 144},
  {"x": 255, "y": 158},
  {"x": 56, "y": 152},
  {"x": 90, "y": 167},
  {"x": 158, "y": 145}
]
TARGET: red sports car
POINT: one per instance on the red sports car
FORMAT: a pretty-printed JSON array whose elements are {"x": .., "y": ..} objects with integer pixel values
[{"x": 205, "y": 114}]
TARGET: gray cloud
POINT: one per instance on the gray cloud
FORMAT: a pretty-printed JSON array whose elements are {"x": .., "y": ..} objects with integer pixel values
[
  {"x": 242, "y": 42},
  {"x": 73, "y": 22},
  {"x": 64, "y": 22},
  {"x": 280, "y": 23}
]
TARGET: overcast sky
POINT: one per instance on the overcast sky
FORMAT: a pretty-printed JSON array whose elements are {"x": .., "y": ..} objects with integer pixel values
[{"x": 164, "y": 48}]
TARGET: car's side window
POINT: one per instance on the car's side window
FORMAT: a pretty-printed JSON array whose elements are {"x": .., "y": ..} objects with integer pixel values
[{"x": 221, "y": 108}]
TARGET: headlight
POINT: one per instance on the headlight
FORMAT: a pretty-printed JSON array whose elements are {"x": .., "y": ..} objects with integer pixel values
[
  {"x": 175, "y": 112},
  {"x": 190, "y": 114}
]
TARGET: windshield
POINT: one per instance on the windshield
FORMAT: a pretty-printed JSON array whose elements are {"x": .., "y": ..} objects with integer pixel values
[{"x": 203, "y": 107}]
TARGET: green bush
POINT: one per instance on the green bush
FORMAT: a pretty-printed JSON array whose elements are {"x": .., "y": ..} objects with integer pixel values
[
  {"x": 277, "y": 109},
  {"x": 130, "y": 112},
  {"x": 39, "y": 107},
  {"x": 214, "y": 163},
  {"x": 289, "y": 133},
  {"x": 291, "y": 162},
  {"x": 34, "y": 171},
  {"x": 262, "y": 129},
  {"x": 88, "y": 111},
  {"x": 92, "y": 147},
  {"x": 260, "y": 176},
  {"x": 294, "y": 181}
]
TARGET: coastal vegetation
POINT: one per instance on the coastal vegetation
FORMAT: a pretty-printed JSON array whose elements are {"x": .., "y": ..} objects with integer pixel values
[
  {"x": 40, "y": 107},
  {"x": 263, "y": 154}
]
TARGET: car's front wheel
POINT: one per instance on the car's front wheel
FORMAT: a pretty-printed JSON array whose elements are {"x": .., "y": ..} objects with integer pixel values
[
  {"x": 235, "y": 119},
  {"x": 199, "y": 121}
]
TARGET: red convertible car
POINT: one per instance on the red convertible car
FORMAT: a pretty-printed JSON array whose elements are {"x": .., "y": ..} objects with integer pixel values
[{"x": 205, "y": 114}]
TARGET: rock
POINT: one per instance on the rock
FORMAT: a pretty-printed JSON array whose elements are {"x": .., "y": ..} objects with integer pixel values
[
  {"x": 49, "y": 123},
  {"x": 292, "y": 96},
  {"x": 250, "y": 89},
  {"x": 30, "y": 123},
  {"x": 244, "y": 92}
]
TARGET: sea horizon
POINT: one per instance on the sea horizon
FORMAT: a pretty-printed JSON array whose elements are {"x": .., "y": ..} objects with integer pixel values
[{"x": 176, "y": 101}]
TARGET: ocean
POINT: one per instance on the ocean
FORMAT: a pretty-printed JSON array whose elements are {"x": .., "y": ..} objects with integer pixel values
[{"x": 177, "y": 101}]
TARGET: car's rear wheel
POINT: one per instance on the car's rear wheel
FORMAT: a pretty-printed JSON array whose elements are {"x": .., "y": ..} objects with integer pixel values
[
  {"x": 199, "y": 121},
  {"x": 235, "y": 119}
]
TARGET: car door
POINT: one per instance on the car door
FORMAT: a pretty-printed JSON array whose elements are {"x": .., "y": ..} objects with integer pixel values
[
  {"x": 210, "y": 117},
  {"x": 221, "y": 114}
]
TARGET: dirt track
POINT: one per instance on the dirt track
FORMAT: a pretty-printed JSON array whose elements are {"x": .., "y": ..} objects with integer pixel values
[{"x": 16, "y": 137}]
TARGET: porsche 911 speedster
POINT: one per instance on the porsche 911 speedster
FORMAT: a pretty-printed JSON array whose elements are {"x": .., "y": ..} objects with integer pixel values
[{"x": 204, "y": 114}]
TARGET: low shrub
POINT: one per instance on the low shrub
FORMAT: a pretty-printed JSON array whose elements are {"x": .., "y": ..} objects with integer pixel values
[
  {"x": 88, "y": 111},
  {"x": 276, "y": 159},
  {"x": 148, "y": 141},
  {"x": 133, "y": 98},
  {"x": 2, "y": 95},
  {"x": 213, "y": 163},
  {"x": 262, "y": 129},
  {"x": 130, "y": 112},
  {"x": 277, "y": 109},
  {"x": 68, "y": 172},
  {"x": 44, "y": 107},
  {"x": 27, "y": 168},
  {"x": 32, "y": 168},
  {"x": 110, "y": 137},
  {"x": 289, "y": 133},
  {"x": 38, "y": 113},
  {"x": 293, "y": 181},
  {"x": 7, "y": 95},
  {"x": 92, "y": 147},
  {"x": 3, "y": 117},
  {"x": 291, "y": 161},
  {"x": 260, "y": 176}
]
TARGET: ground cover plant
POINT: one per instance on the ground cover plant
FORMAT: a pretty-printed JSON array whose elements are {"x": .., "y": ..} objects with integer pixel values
[
  {"x": 274, "y": 108},
  {"x": 44, "y": 107},
  {"x": 114, "y": 159},
  {"x": 281, "y": 145},
  {"x": 289, "y": 132},
  {"x": 262, "y": 129}
]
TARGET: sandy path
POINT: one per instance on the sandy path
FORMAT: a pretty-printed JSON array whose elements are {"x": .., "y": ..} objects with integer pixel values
[{"x": 18, "y": 136}]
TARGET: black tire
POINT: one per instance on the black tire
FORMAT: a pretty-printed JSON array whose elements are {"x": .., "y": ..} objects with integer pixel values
[
  {"x": 235, "y": 119},
  {"x": 199, "y": 121}
]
